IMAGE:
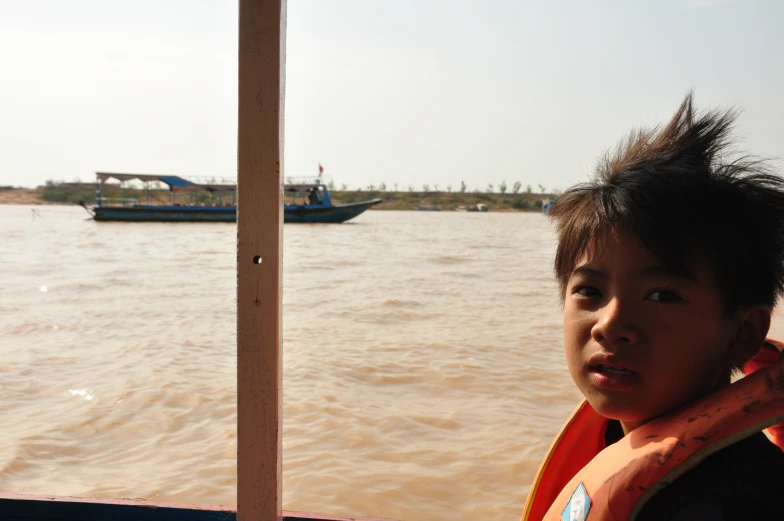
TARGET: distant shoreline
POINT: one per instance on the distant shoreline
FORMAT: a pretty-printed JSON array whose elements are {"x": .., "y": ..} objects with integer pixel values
[
  {"x": 25, "y": 196},
  {"x": 401, "y": 201},
  {"x": 446, "y": 201}
]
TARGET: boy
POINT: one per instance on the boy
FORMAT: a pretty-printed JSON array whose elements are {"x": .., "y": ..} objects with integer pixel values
[{"x": 669, "y": 263}]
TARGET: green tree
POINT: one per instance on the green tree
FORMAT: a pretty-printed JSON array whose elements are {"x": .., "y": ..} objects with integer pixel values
[
  {"x": 382, "y": 187},
  {"x": 490, "y": 188},
  {"x": 343, "y": 187},
  {"x": 502, "y": 187},
  {"x": 516, "y": 187},
  {"x": 425, "y": 188},
  {"x": 449, "y": 188},
  {"x": 542, "y": 188},
  {"x": 528, "y": 189},
  {"x": 462, "y": 187},
  {"x": 435, "y": 187}
]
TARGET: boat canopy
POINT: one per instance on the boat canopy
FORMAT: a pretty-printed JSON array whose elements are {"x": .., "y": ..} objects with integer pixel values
[
  {"x": 179, "y": 184},
  {"x": 175, "y": 183}
]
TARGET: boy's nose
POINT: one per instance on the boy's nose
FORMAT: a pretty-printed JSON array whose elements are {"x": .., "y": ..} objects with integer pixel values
[{"x": 614, "y": 326}]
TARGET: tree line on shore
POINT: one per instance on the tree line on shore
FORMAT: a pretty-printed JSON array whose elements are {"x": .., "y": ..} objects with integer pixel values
[
  {"x": 526, "y": 197},
  {"x": 500, "y": 188}
]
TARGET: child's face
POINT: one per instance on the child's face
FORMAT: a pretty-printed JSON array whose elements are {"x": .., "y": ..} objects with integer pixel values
[{"x": 640, "y": 340}]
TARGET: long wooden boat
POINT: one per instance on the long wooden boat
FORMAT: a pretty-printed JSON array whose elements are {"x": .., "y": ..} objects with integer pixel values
[
  {"x": 186, "y": 205},
  {"x": 259, "y": 297}
]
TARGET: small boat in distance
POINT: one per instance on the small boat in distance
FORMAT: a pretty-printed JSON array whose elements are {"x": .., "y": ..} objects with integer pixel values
[
  {"x": 479, "y": 207},
  {"x": 306, "y": 200}
]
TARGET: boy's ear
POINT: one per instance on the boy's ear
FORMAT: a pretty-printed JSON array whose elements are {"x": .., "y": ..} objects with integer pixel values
[{"x": 753, "y": 325}]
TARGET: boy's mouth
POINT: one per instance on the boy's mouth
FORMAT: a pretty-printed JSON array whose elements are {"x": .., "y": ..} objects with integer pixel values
[
  {"x": 613, "y": 370},
  {"x": 613, "y": 378},
  {"x": 606, "y": 373}
]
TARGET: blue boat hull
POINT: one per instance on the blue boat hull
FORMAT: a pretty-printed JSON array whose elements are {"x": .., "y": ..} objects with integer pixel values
[
  {"x": 291, "y": 214},
  {"x": 326, "y": 214}
]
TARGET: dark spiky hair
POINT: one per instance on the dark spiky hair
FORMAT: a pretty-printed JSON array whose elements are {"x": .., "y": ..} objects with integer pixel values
[{"x": 677, "y": 189}]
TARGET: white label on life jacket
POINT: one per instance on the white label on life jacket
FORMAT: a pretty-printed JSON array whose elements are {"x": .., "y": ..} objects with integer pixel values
[{"x": 578, "y": 506}]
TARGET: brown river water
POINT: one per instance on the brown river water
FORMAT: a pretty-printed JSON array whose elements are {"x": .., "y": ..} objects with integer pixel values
[{"x": 423, "y": 372}]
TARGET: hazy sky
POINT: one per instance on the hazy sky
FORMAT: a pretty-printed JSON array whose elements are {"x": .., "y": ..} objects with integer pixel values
[{"x": 406, "y": 91}]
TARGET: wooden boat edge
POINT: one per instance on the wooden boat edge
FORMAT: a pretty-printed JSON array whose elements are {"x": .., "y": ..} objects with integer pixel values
[{"x": 20, "y": 507}]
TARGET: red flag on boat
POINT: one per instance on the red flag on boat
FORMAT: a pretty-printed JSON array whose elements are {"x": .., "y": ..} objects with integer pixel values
[{"x": 321, "y": 169}]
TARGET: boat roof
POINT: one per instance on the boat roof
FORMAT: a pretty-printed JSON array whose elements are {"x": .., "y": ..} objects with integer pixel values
[
  {"x": 177, "y": 183},
  {"x": 301, "y": 183}
]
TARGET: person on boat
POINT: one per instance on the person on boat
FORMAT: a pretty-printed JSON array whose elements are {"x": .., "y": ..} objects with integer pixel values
[
  {"x": 670, "y": 262},
  {"x": 313, "y": 196}
]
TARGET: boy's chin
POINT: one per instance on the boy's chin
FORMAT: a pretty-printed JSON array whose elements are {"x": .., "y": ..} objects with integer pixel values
[{"x": 620, "y": 412}]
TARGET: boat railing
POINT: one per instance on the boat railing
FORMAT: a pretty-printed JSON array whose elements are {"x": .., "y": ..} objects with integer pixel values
[
  {"x": 117, "y": 201},
  {"x": 303, "y": 180},
  {"x": 213, "y": 180}
]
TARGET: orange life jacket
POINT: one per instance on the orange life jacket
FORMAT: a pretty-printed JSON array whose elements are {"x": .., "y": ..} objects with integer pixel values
[{"x": 580, "y": 479}]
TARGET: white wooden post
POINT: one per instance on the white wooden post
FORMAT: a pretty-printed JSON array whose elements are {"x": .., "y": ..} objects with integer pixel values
[{"x": 259, "y": 253}]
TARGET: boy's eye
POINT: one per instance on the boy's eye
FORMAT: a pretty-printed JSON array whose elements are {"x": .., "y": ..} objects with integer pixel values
[
  {"x": 663, "y": 295},
  {"x": 587, "y": 291}
]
